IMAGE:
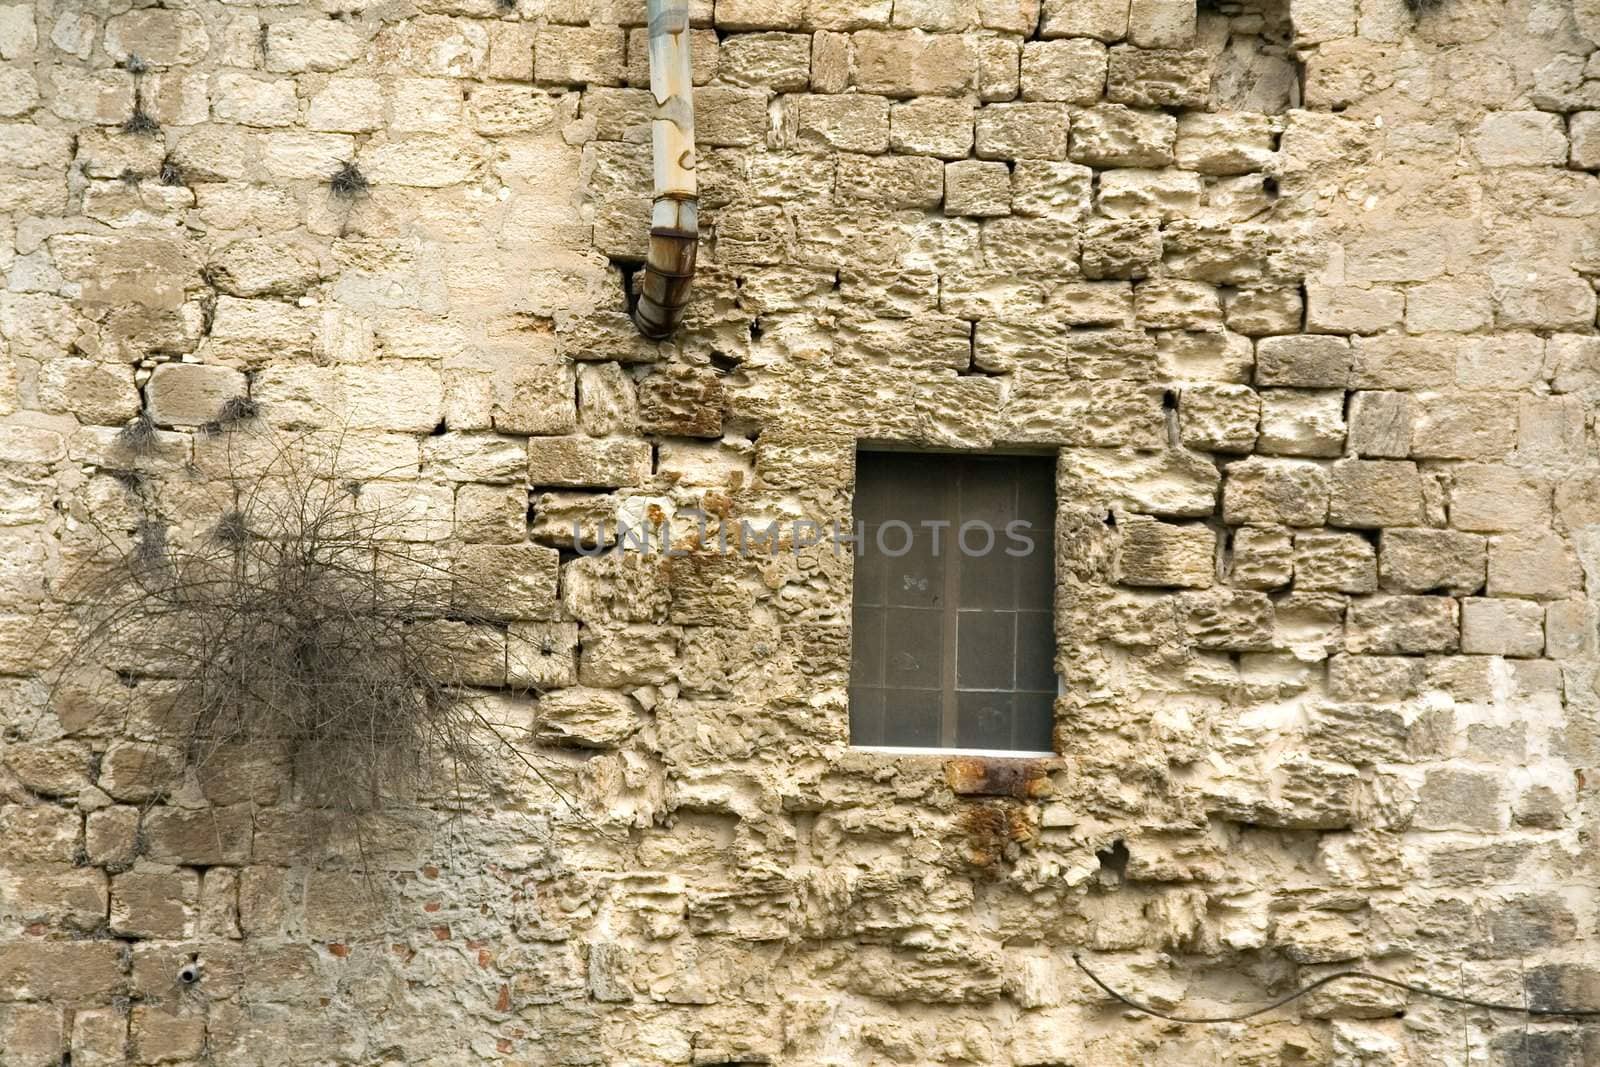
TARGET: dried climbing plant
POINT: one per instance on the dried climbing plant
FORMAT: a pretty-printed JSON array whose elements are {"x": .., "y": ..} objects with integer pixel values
[{"x": 293, "y": 617}]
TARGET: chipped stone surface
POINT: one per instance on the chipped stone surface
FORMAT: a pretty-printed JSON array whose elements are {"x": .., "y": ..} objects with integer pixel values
[{"x": 1299, "y": 295}]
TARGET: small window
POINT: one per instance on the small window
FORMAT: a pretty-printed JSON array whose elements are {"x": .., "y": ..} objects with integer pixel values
[{"x": 953, "y": 644}]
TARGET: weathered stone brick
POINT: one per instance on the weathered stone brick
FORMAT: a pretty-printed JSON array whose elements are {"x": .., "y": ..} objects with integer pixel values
[
  {"x": 760, "y": 14},
  {"x": 1403, "y": 624},
  {"x": 1489, "y": 498},
  {"x": 578, "y": 55},
  {"x": 1113, "y": 135},
  {"x": 1022, "y": 131},
  {"x": 1290, "y": 491},
  {"x": 851, "y": 123},
  {"x": 588, "y": 461},
  {"x": 933, "y": 126},
  {"x": 1120, "y": 248},
  {"x": 1380, "y": 424},
  {"x": 1072, "y": 70},
  {"x": 301, "y": 44},
  {"x": 1164, "y": 194},
  {"x": 1157, "y": 553},
  {"x": 1499, "y": 627},
  {"x": 1263, "y": 557},
  {"x": 1520, "y": 139},
  {"x": 979, "y": 188},
  {"x": 1105, "y": 20},
  {"x": 1227, "y": 620},
  {"x": 1462, "y": 799},
  {"x": 912, "y": 63},
  {"x": 1463, "y": 426},
  {"x": 999, "y": 68},
  {"x": 892, "y": 181},
  {"x": 780, "y": 62},
  {"x": 1218, "y": 418},
  {"x": 1302, "y": 422},
  {"x": 1374, "y": 493},
  {"x": 1261, "y": 311},
  {"x": 1308, "y": 361},
  {"x": 1158, "y": 77},
  {"x": 1053, "y": 190},
  {"x": 1224, "y": 143},
  {"x": 726, "y": 117},
  {"x": 198, "y": 837},
  {"x": 154, "y": 903},
  {"x": 1424, "y": 561},
  {"x": 684, "y": 401},
  {"x": 587, "y": 718},
  {"x": 1334, "y": 562},
  {"x": 1532, "y": 563},
  {"x": 64, "y": 970},
  {"x": 506, "y": 581}
]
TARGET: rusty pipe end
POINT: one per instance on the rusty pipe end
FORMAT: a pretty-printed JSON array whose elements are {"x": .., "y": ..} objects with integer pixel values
[{"x": 668, "y": 278}]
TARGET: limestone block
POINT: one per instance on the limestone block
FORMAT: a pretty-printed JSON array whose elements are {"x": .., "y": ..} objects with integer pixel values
[
  {"x": 1223, "y": 143},
  {"x": 1491, "y": 498},
  {"x": 892, "y": 181},
  {"x": 1155, "y": 553},
  {"x": 191, "y": 394},
  {"x": 1227, "y": 620},
  {"x": 1263, "y": 310},
  {"x": 542, "y": 655},
  {"x": 1584, "y": 129},
  {"x": 111, "y": 836},
  {"x": 1550, "y": 429},
  {"x": 1462, "y": 799},
  {"x": 202, "y": 837},
  {"x": 948, "y": 16},
  {"x": 1574, "y": 360},
  {"x": 912, "y": 63},
  {"x": 1022, "y": 131},
  {"x": 1380, "y": 424},
  {"x": 587, "y": 718},
  {"x": 99, "y": 1037},
  {"x": 1120, "y": 248},
  {"x": 1316, "y": 21},
  {"x": 1393, "y": 361},
  {"x": 161, "y": 36},
  {"x": 1161, "y": 23},
  {"x": 1052, "y": 190},
  {"x": 1218, "y": 418},
  {"x": 1302, "y": 422},
  {"x": 1460, "y": 305},
  {"x": 1463, "y": 426},
  {"x": 588, "y": 461},
  {"x": 1521, "y": 139},
  {"x": 760, "y": 14},
  {"x": 300, "y": 44},
  {"x": 1290, "y": 491},
  {"x": 101, "y": 393},
  {"x": 19, "y": 36},
  {"x": 1532, "y": 563},
  {"x": 777, "y": 61},
  {"x": 607, "y": 400},
  {"x": 1163, "y": 194},
  {"x": 1402, "y": 624},
  {"x": 1072, "y": 70},
  {"x": 1542, "y": 300},
  {"x": 1571, "y": 629},
  {"x": 155, "y": 903},
  {"x": 1499, "y": 627},
  {"x": 1158, "y": 77},
  {"x": 1263, "y": 557},
  {"x": 933, "y": 126},
  {"x": 1171, "y": 484},
  {"x": 475, "y": 457},
  {"x": 239, "y": 97},
  {"x": 682, "y": 402},
  {"x": 850, "y": 123},
  {"x": 1353, "y": 308},
  {"x": 1504, "y": 361},
  {"x": 1334, "y": 562},
  {"x": 1010, "y": 16},
  {"x": 978, "y": 188},
  {"x": 847, "y": 14},
  {"x": 999, "y": 68},
  {"x": 621, "y": 657},
  {"x": 578, "y": 55},
  {"x": 489, "y": 513},
  {"x": 1373, "y": 493},
  {"x": 511, "y": 51},
  {"x": 1307, "y": 361},
  {"x": 727, "y": 117},
  {"x": 259, "y": 266},
  {"x": 1423, "y": 560},
  {"x": 507, "y": 581},
  {"x": 1374, "y": 678},
  {"x": 1105, "y": 20},
  {"x": 1113, "y": 135},
  {"x": 84, "y": 971}
]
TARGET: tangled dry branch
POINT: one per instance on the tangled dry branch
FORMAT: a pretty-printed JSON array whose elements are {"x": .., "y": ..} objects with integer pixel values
[{"x": 297, "y": 618}]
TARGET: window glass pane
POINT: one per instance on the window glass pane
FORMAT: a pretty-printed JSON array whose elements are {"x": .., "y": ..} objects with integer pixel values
[
  {"x": 953, "y": 639},
  {"x": 911, "y": 717}
]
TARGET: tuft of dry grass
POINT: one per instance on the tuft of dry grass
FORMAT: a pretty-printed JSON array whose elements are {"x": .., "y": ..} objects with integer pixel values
[
  {"x": 348, "y": 183},
  {"x": 296, "y": 619}
]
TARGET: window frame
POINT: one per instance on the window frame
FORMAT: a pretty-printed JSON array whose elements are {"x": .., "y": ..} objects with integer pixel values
[{"x": 949, "y": 689}]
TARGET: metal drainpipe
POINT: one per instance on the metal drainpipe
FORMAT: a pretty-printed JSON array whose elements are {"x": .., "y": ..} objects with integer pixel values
[{"x": 674, "y": 217}]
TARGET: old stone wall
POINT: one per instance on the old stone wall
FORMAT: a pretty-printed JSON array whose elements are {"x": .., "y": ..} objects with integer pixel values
[{"x": 1301, "y": 295}]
